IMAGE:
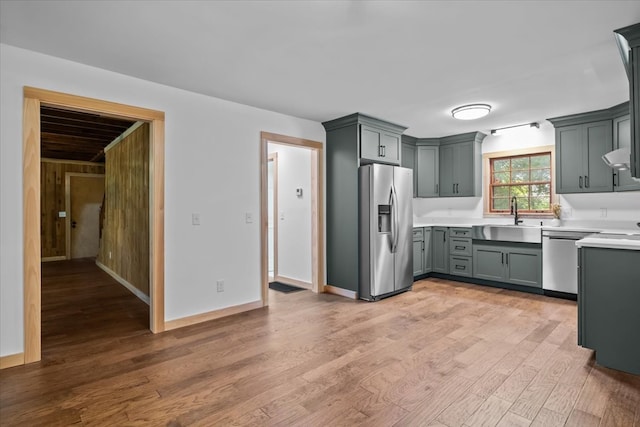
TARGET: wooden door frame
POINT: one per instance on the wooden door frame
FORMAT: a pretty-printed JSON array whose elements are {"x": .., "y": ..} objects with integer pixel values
[
  {"x": 317, "y": 206},
  {"x": 273, "y": 157},
  {"x": 67, "y": 205},
  {"x": 33, "y": 99}
]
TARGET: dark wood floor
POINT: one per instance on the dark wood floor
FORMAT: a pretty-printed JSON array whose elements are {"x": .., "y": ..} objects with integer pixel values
[{"x": 445, "y": 354}]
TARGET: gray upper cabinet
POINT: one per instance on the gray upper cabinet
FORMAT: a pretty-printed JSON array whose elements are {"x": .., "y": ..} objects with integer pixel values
[
  {"x": 632, "y": 35},
  {"x": 351, "y": 141},
  {"x": 427, "y": 175},
  {"x": 581, "y": 141},
  {"x": 379, "y": 145},
  {"x": 461, "y": 165},
  {"x": 408, "y": 160},
  {"x": 622, "y": 139}
]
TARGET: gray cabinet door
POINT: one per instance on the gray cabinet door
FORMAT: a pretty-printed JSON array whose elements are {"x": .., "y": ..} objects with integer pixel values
[
  {"x": 390, "y": 147},
  {"x": 379, "y": 146},
  {"x": 428, "y": 252},
  {"x": 524, "y": 266},
  {"x": 428, "y": 171},
  {"x": 463, "y": 169},
  {"x": 418, "y": 251},
  {"x": 597, "y": 141},
  {"x": 569, "y": 160},
  {"x": 622, "y": 139},
  {"x": 447, "y": 186},
  {"x": 418, "y": 258},
  {"x": 488, "y": 263},
  {"x": 440, "y": 250},
  {"x": 408, "y": 160}
]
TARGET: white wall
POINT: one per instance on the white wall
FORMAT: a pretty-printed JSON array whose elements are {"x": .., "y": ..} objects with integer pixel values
[
  {"x": 294, "y": 230},
  {"x": 212, "y": 168},
  {"x": 622, "y": 206}
]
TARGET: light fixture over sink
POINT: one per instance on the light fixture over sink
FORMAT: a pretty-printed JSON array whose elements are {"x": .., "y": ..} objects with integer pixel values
[{"x": 471, "y": 111}]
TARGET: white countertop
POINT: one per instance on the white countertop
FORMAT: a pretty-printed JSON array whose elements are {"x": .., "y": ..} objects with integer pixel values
[{"x": 611, "y": 241}]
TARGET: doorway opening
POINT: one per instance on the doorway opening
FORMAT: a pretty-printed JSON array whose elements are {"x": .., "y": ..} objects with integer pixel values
[
  {"x": 34, "y": 99},
  {"x": 274, "y": 212}
]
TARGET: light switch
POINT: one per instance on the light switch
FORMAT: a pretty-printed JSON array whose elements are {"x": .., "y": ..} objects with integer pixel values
[
  {"x": 248, "y": 217},
  {"x": 62, "y": 214},
  {"x": 282, "y": 216},
  {"x": 195, "y": 219},
  {"x": 299, "y": 191}
]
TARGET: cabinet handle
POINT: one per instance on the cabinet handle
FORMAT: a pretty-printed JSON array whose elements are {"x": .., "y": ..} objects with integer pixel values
[
  {"x": 437, "y": 189},
  {"x": 502, "y": 262},
  {"x": 460, "y": 267},
  {"x": 616, "y": 180},
  {"x": 459, "y": 248},
  {"x": 586, "y": 181},
  {"x": 580, "y": 182},
  {"x": 507, "y": 257},
  {"x": 457, "y": 189}
]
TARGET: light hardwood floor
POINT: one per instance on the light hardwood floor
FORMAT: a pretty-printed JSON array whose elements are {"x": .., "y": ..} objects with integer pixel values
[{"x": 444, "y": 354}]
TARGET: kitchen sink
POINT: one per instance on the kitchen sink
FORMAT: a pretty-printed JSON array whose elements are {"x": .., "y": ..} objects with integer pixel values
[{"x": 508, "y": 233}]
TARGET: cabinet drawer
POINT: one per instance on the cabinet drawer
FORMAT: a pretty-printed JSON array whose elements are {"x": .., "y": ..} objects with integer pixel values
[
  {"x": 460, "y": 246},
  {"x": 460, "y": 266},
  {"x": 418, "y": 234},
  {"x": 460, "y": 232}
]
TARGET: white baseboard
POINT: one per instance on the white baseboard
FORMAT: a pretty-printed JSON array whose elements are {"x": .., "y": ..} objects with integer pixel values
[
  {"x": 137, "y": 292},
  {"x": 293, "y": 282},
  {"x": 339, "y": 291}
]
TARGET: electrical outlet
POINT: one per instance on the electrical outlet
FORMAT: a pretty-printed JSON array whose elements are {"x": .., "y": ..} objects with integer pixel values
[
  {"x": 195, "y": 219},
  {"x": 248, "y": 217},
  {"x": 220, "y": 285},
  {"x": 282, "y": 216}
]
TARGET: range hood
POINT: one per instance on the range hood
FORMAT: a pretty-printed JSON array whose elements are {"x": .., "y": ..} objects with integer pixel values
[{"x": 619, "y": 159}]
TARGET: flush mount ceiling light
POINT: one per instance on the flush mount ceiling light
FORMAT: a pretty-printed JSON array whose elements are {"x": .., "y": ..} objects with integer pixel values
[
  {"x": 471, "y": 111},
  {"x": 501, "y": 131}
]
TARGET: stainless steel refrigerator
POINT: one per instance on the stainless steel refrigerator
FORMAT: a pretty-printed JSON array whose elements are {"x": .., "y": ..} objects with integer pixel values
[{"x": 385, "y": 230}]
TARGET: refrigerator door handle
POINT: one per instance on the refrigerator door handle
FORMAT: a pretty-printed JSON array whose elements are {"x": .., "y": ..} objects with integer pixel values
[{"x": 394, "y": 215}]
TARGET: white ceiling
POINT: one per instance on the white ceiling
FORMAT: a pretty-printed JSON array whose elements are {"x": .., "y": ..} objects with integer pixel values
[{"x": 408, "y": 62}]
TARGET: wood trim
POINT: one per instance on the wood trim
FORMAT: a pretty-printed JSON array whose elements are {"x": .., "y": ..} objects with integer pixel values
[
  {"x": 211, "y": 315},
  {"x": 53, "y": 258},
  {"x": 67, "y": 206},
  {"x": 486, "y": 172},
  {"x": 339, "y": 291},
  {"x": 31, "y": 230},
  {"x": 317, "y": 234},
  {"x": 11, "y": 360},
  {"x": 122, "y": 136},
  {"x": 33, "y": 98},
  {"x": 71, "y": 162},
  {"x": 156, "y": 225},
  {"x": 293, "y": 282},
  {"x": 274, "y": 158},
  {"x": 291, "y": 140},
  {"x": 137, "y": 292},
  {"x": 91, "y": 105}
]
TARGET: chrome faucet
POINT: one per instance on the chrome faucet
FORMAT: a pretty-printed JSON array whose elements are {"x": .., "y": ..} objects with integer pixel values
[{"x": 514, "y": 211}]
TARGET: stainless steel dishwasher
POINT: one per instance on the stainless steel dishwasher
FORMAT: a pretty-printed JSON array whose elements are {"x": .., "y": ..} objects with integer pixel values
[{"x": 560, "y": 260}]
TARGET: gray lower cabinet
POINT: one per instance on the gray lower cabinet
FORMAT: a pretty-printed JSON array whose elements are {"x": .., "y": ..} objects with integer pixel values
[
  {"x": 440, "y": 247},
  {"x": 608, "y": 314},
  {"x": 418, "y": 252},
  {"x": 622, "y": 139},
  {"x": 428, "y": 251},
  {"x": 509, "y": 263},
  {"x": 460, "y": 252},
  {"x": 427, "y": 171}
]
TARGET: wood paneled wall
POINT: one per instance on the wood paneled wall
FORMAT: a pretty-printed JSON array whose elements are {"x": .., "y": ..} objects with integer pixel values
[
  {"x": 124, "y": 247},
  {"x": 52, "y": 200}
]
